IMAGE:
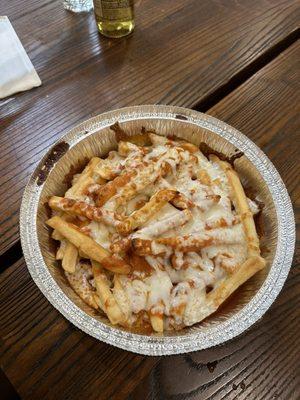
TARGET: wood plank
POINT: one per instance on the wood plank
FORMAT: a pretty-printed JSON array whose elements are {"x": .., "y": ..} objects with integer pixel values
[
  {"x": 180, "y": 53},
  {"x": 267, "y": 109},
  {"x": 264, "y": 363},
  {"x": 46, "y": 357}
]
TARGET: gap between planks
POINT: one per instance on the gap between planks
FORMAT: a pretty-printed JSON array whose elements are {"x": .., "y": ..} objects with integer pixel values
[{"x": 238, "y": 79}]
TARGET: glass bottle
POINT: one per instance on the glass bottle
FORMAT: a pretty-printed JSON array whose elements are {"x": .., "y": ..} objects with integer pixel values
[
  {"x": 78, "y": 5},
  {"x": 115, "y": 18}
]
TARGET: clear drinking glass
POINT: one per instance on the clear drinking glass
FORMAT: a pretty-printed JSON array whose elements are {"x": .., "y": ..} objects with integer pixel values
[{"x": 78, "y": 5}]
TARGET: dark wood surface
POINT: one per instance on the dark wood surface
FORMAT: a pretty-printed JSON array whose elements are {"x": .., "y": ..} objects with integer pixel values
[
  {"x": 185, "y": 53},
  {"x": 44, "y": 356}
]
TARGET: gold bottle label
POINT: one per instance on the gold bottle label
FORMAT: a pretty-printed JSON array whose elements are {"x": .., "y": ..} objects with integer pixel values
[{"x": 114, "y": 10}]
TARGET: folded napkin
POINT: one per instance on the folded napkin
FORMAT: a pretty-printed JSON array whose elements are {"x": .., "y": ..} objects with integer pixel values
[{"x": 16, "y": 70}]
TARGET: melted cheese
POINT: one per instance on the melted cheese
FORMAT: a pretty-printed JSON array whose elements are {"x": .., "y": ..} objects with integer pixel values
[
  {"x": 179, "y": 280},
  {"x": 254, "y": 208},
  {"x": 160, "y": 286},
  {"x": 81, "y": 283},
  {"x": 217, "y": 213},
  {"x": 194, "y": 275},
  {"x": 136, "y": 294},
  {"x": 196, "y": 308},
  {"x": 131, "y": 206},
  {"x": 100, "y": 233}
]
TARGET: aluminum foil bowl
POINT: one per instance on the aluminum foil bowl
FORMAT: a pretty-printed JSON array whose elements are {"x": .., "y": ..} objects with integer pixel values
[{"x": 93, "y": 137}]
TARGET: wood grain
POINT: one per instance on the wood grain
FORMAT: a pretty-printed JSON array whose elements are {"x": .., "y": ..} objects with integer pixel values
[
  {"x": 44, "y": 356},
  {"x": 264, "y": 363},
  {"x": 180, "y": 53},
  {"x": 267, "y": 109}
]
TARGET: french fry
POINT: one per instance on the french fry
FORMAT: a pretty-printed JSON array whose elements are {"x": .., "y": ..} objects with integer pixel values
[
  {"x": 105, "y": 171},
  {"x": 152, "y": 247},
  {"x": 242, "y": 206},
  {"x": 175, "y": 220},
  {"x": 61, "y": 250},
  {"x": 147, "y": 174},
  {"x": 84, "y": 179},
  {"x": 121, "y": 245},
  {"x": 63, "y": 243},
  {"x": 141, "y": 216},
  {"x": 70, "y": 258},
  {"x": 98, "y": 302},
  {"x": 82, "y": 254},
  {"x": 121, "y": 297},
  {"x": 157, "y": 140},
  {"x": 196, "y": 242},
  {"x": 187, "y": 243},
  {"x": 157, "y": 322},
  {"x": 218, "y": 295},
  {"x": 222, "y": 223},
  {"x": 142, "y": 247},
  {"x": 84, "y": 291},
  {"x": 140, "y": 139},
  {"x": 107, "y": 299},
  {"x": 92, "y": 301},
  {"x": 144, "y": 177},
  {"x": 87, "y": 245},
  {"x": 162, "y": 140},
  {"x": 139, "y": 264},
  {"x": 80, "y": 208},
  {"x": 124, "y": 148},
  {"x": 110, "y": 189},
  {"x": 56, "y": 236},
  {"x": 203, "y": 177},
  {"x": 191, "y": 148},
  {"x": 182, "y": 202}
]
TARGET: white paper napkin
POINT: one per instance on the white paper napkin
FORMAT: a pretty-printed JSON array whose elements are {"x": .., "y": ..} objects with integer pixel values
[{"x": 16, "y": 70}]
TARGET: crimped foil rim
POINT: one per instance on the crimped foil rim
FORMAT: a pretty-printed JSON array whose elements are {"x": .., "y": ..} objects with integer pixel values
[{"x": 155, "y": 345}]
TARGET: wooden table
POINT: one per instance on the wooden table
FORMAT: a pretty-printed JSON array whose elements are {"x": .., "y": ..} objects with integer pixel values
[{"x": 236, "y": 60}]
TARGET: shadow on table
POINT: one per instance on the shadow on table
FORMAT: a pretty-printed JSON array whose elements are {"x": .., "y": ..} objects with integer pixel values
[{"x": 7, "y": 390}]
